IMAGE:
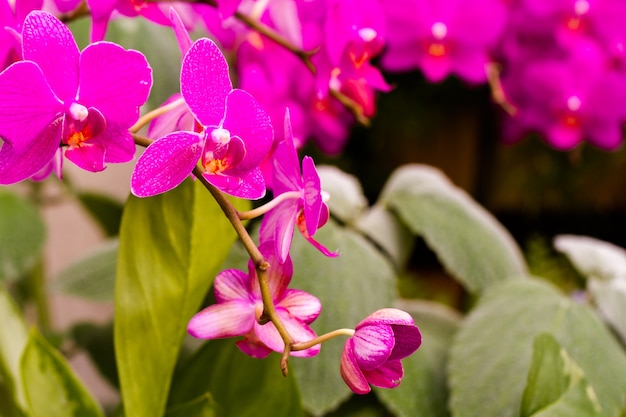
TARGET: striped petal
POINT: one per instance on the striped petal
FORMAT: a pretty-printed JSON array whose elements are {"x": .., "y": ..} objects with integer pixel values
[{"x": 222, "y": 320}]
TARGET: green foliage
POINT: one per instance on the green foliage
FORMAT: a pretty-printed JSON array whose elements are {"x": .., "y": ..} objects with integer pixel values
[
  {"x": 97, "y": 341},
  {"x": 494, "y": 346},
  {"x": 93, "y": 276},
  {"x": 353, "y": 285},
  {"x": 468, "y": 240},
  {"x": 604, "y": 266},
  {"x": 171, "y": 247},
  {"x": 241, "y": 386},
  {"x": 13, "y": 340},
  {"x": 52, "y": 389},
  {"x": 556, "y": 384},
  {"x": 22, "y": 235},
  {"x": 203, "y": 406}
]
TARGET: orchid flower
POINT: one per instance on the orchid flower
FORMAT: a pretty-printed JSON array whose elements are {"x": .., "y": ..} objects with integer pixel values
[
  {"x": 304, "y": 208},
  {"x": 12, "y": 15},
  {"x": 239, "y": 307},
  {"x": 84, "y": 101},
  {"x": 236, "y": 133},
  {"x": 372, "y": 356}
]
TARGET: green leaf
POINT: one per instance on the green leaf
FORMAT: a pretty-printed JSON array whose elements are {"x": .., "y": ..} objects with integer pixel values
[
  {"x": 556, "y": 385},
  {"x": 593, "y": 258},
  {"x": 241, "y": 386},
  {"x": 604, "y": 264},
  {"x": 22, "y": 234},
  {"x": 171, "y": 247},
  {"x": 106, "y": 211},
  {"x": 346, "y": 195},
  {"x": 468, "y": 240},
  {"x": 494, "y": 347},
  {"x": 13, "y": 340},
  {"x": 423, "y": 390},
  {"x": 384, "y": 228},
  {"x": 352, "y": 286},
  {"x": 203, "y": 406},
  {"x": 52, "y": 389},
  {"x": 93, "y": 276}
]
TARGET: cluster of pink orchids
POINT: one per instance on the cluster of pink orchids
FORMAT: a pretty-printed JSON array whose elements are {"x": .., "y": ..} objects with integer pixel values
[{"x": 56, "y": 101}]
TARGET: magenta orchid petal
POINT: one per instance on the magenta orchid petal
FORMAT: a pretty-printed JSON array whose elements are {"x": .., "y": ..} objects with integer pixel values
[
  {"x": 88, "y": 156},
  {"x": 180, "y": 31},
  {"x": 246, "y": 119},
  {"x": 408, "y": 339},
  {"x": 312, "y": 195},
  {"x": 286, "y": 164},
  {"x": 229, "y": 319},
  {"x": 351, "y": 372},
  {"x": 115, "y": 81},
  {"x": 302, "y": 227},
  {"x": 373, "y": 345},
  {"x": 253, "y": 347},
  {"x": 50, "y": 44},
  {"x": 301, "y": 305},
  {"x": 388, "y": 375},
  {"x": 372, "y": 355},
  {"x": 27, "y": 105},
  {"x": 279, "y": 275},
  {"x": 166, "y": 163},
  {"x": 231, "y": 284},
  {"x": 119, "y": 144},
  {"x": 278, "y": 226},
  {"x": 204, "y": 82},
  {"x": 16, "y": 165},
  {"x": 227, "y": 8},
  {"x": 298, "y": 330},
  {"x": 250, "y": 185},
  {"x": 387, "y": 316}
]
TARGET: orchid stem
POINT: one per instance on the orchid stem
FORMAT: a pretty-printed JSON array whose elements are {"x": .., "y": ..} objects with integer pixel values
[
  {"x": 151, "y": 115},
  {"x": 259, "y": 211},
  {"x": 321, "y": 339},
  {"x": 260, "y": 263}
]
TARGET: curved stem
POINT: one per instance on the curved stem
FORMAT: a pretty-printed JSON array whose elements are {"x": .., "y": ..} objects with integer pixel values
[
  {"x": 151, "y": 115},
  {"x": 321, "y": 339},
  {"x": 260, "y": 263},
  {"x": 259, "y": 211}
]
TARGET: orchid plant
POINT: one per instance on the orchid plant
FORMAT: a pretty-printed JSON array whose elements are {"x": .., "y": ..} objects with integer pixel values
[{"x": 219, "y": 184}]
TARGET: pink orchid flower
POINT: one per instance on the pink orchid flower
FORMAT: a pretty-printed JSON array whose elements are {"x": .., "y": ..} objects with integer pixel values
[
  {"x": 239, "y": 307},
  {"x": 305, "y": 206},
  {"x": 236, "y": 133},
  {"x": 12, "y": 15},
  {"x": 372, "y": 356},
  {"x": 84, "y": 101}
]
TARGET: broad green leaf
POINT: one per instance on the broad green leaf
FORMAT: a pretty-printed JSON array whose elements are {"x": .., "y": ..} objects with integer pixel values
[
  {"x": 171, "y": 247},
  {"x": 556, "y": 385},
  {"x": 52, "y": 389},
  {"x": 106, "y": 211},
  {"x": 13, "y": 340},
  {"x": 93, "y": 276},
  {"x": 240, "y": 385},
  {"x": 604, "y": 265},
  {"x": 203, "y": 406},
  {"x": 593, "y": 258},
  {"x": 472, "y": 245},
  {"x": 22, "y": 234},
  {"x": 8, "y": 405},
  {"x": 346, "y": 195},
  {"x": 493, "y": 348},
  {"x": 423, "y": 390},
  {"x": 351, "y": 286},
  {"x": 384, "y": 228}
]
